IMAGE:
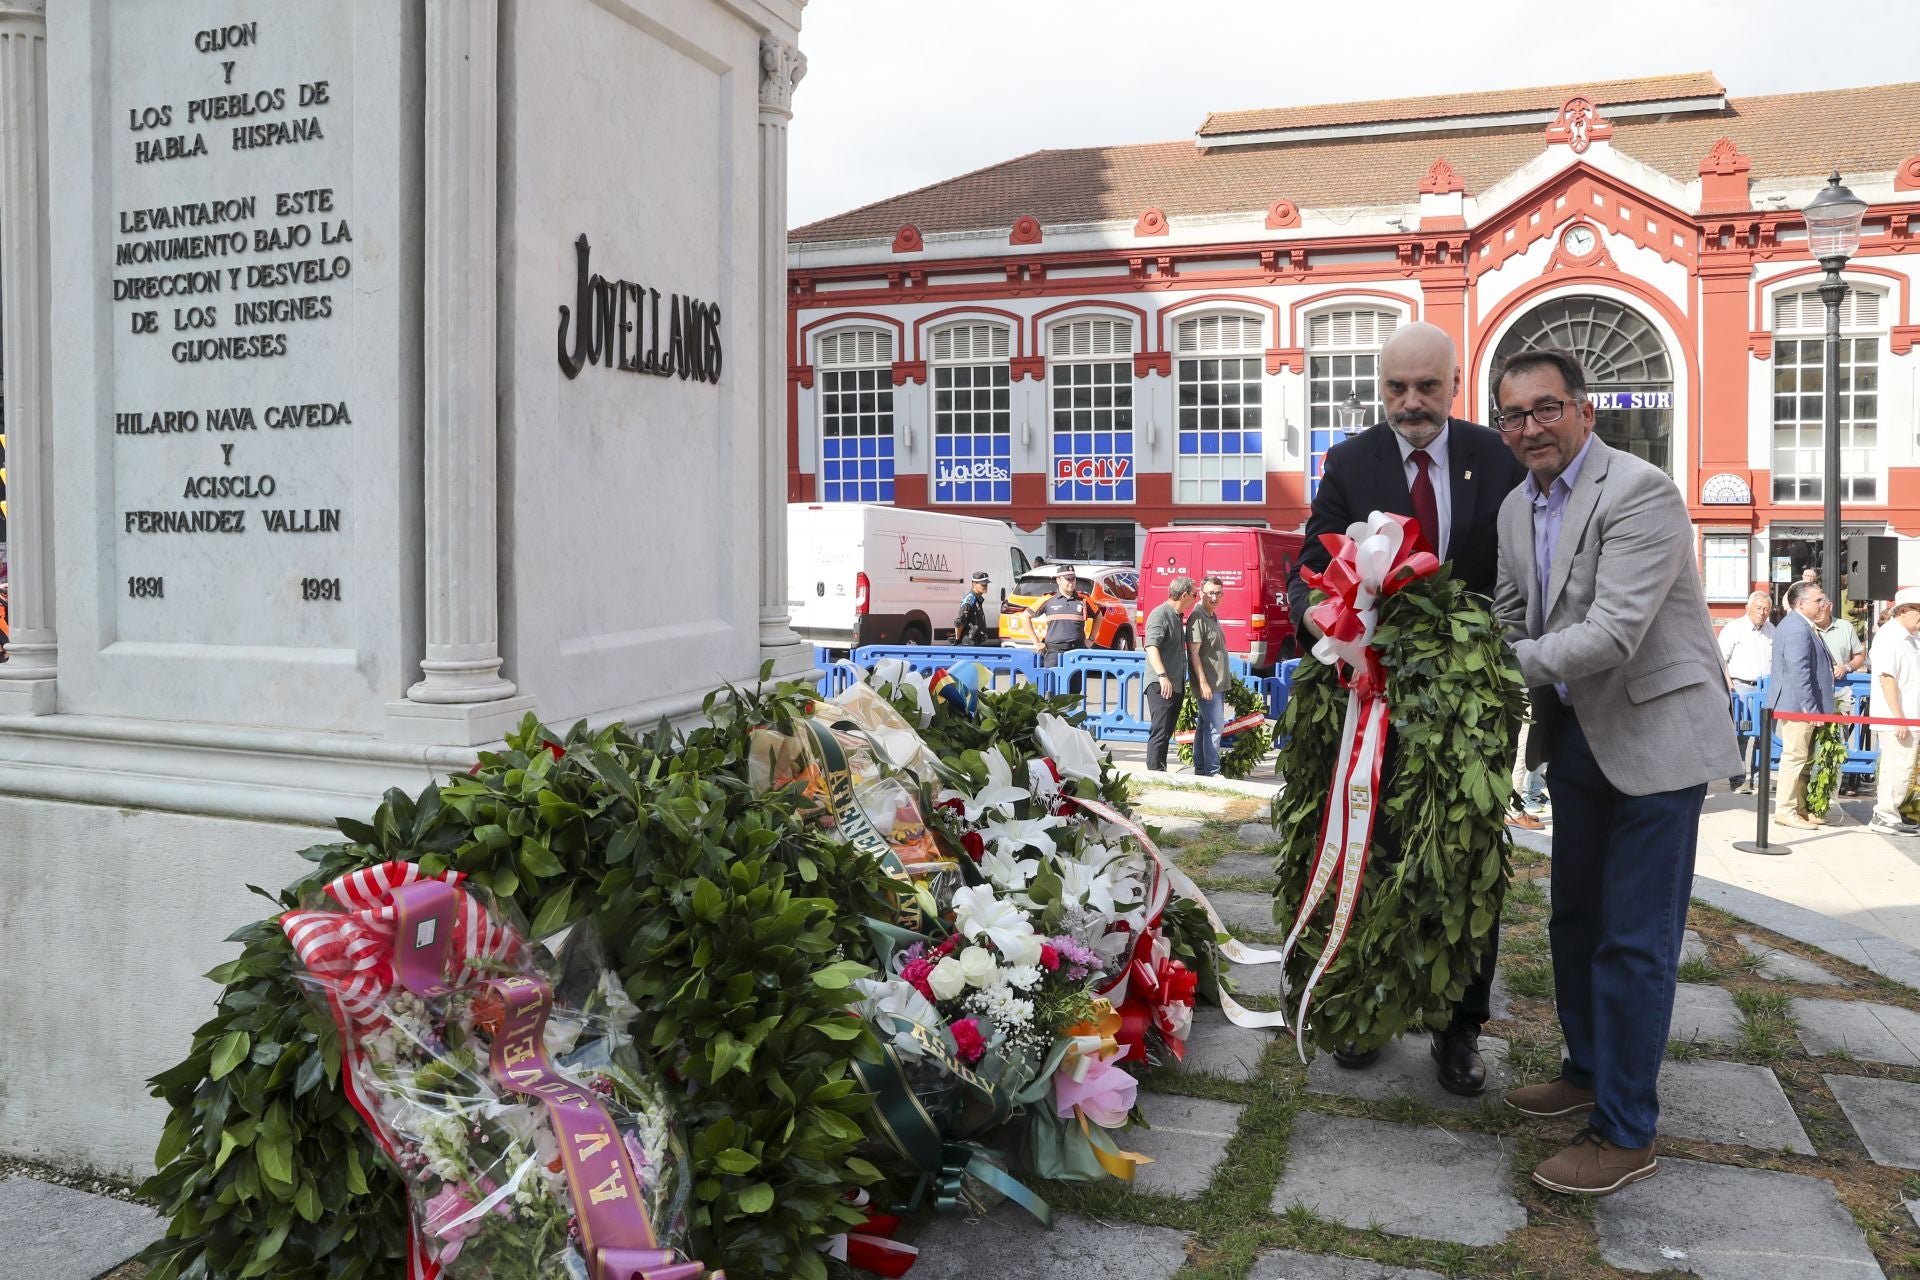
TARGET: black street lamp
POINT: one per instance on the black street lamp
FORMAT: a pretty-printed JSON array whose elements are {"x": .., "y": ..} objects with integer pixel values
[
  {"x": 1833, "y": 236},
  {"x": 1352, "y": 415}
]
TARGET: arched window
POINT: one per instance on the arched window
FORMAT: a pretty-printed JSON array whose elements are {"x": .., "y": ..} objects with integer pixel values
[
  {"x": 856, "y": 416},
  {"x": 1343, "y": 359},
  {"x": 1090, "y": 368},
  {"x": 1221, "y": 457},
  {"x": 972, "y": 415},
  {"x": 1799, "y": 396},
  {"x": 1629, "y": 371}
]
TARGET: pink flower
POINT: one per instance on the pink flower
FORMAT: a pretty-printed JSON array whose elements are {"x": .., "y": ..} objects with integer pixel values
[
  {"x": 967, "y": 1039},
  {"x": 1049, "y": 958},
  {"x": 442, "y": 1219},
  {"x": 1107, "y": 1093},
  {"x": 915, "y": 973}
]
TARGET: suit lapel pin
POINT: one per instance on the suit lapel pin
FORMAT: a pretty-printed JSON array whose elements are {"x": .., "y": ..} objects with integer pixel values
[{"x": 1467, "y": 476}]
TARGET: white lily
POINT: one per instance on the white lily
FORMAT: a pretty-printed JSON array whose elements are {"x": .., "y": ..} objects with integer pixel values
[
  {"x": 1083, "y": 883},
  {"x": 1073, "y": 750},
  {"x": 1005, "y": 870},
  {"x": 979, "y": 913},
  {"x": 896, "y": 997},
  {"x": 1022, "y": 833},
  {"x": 999, "y": 793}
]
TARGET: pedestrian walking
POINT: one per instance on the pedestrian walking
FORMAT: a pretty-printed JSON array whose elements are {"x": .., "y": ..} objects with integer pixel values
[
  {"x": 970, "y": 626},
  {"x": 1167, "y": 663},
  {"x": 1060, "y": 622},
  {"x": 1801, "y": 680},
  {"x": 1599, "y": 588},
  {"x": 1895, "y": 664}
]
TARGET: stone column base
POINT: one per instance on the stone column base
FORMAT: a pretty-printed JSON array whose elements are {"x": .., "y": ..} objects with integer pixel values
[{"x": 455, "y": 724}]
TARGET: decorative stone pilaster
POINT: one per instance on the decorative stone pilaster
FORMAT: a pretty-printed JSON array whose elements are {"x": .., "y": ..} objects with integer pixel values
[
  {"x": 27, "y": 678},
  {"x": 781, "y": 67},
  {"x": 462, "y": 698}
]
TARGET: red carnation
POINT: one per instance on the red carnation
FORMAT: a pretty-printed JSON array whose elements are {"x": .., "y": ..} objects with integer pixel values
[
  {"x": 967, "y": 1039},
  {"x": 976, "y": 847},
  {"x": 954, "y": 804},
  {"x": 916, "y": 973},
  {"x": 946, "y": 948},
  {"x": 1049, "y": 958}
]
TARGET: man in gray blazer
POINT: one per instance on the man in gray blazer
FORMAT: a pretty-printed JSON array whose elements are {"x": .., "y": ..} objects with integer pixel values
[{"x": 1602, "y": 602}]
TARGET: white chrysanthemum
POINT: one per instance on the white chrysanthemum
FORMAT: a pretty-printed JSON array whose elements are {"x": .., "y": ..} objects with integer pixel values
[{"x": 1022, "y": 977}]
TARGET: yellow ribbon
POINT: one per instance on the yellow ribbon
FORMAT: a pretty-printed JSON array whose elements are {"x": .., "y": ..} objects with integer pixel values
[{"x": 1097, "y": 1038}]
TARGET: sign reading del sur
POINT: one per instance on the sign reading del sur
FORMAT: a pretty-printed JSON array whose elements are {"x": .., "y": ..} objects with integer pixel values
[{"x": 619, "y": 324}]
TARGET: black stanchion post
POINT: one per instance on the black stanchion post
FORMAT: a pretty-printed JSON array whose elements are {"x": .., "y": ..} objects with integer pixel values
[{"x": 1763, "y": 794}]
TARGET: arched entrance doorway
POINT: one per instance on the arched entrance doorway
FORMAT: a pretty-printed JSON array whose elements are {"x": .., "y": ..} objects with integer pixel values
[{"x": 1629, "y": 371}]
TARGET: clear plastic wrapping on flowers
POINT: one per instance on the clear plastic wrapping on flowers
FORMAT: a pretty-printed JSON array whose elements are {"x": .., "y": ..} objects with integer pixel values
[{"x": 486, "y": 1182}]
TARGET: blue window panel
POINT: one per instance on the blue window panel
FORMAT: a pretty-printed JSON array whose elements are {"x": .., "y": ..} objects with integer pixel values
[
  {"x": 869, "y": 470},
  {"x": 1322, "y": 441},
  {"x": 1229, "y": 491},
  {"x": 1123, "y": 442},
  {"x": 886, "y": 446},
  {"x": 1209, "y": 442},
  {"x": 1003, "y": 491},
  {"x": 1062, "y": 490},
  {"x": 829, "y": 448},
  {"x": 1254, "y": 491},
  {"x": 1250, "y": 442},
  {"x": 1230, "y": 442},
  {"x": 1123, "y": 491},
  {"x": 1189, "y": 442},
  {"x": 1083, "y": 443}
]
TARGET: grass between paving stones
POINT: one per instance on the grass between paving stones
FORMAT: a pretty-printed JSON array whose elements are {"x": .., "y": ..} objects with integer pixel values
[{"x": 1234, "y": 1222}]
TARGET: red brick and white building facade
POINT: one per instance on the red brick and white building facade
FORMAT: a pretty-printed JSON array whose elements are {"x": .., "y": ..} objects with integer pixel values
[{"x": 1093, "y": 342}]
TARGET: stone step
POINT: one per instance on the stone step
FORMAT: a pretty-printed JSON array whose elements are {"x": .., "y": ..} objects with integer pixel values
[
  {"x": 1187, "y": 1142},
  {"x": 50, "y": 1232},
  {"x": 1405, "y": 1069},
  {"x": 1886, "y": 1115},
  {"x": 1868, "y": 1032},
  {"x": 1784, "y": 966},
  {"x": 1010, "y": 1245},
  {"x": 1731, "y": 1103}
]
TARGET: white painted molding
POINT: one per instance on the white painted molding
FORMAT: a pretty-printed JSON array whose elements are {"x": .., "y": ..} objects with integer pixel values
[{"x": 781, "y": 69}]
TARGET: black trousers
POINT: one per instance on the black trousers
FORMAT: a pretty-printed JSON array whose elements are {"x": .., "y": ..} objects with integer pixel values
[
  {"x": 1475, "y": 1009},
  {"x": 1161, "y": 715}
]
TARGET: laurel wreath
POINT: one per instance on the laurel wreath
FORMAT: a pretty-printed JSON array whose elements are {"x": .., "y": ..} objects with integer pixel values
[
  {"x": 1439, "y": 865},
  {"x": 1828, "y": 748},
  {"x": 1244, "y": 750}
]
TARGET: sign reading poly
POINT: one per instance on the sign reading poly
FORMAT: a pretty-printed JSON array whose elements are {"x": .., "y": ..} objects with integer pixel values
[
  {"x": 1631, "y": 399},
  {"x": 1104, "y": 471}
]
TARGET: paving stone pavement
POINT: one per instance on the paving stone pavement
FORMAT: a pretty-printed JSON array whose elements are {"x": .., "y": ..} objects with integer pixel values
[
  {"x": 1693, "y": 947},
  {"x": 1175, "y": 829},
  {"x": 1169, "y": 800},
  {"x": 1010, "y": 1245},
  {"x": 1415, "y": 1180},
  {"x": 1723, "y": 1223},
  {"x": 1257, "y": 834},
  {"x": 56, "y": 1233},
  {"x": 1241, "y": 911},
  {"x": 1913, "y": 1207},
  {"x": 1286, "y": 1265},
  {"x": 1499, "y": 999},
  {"x": 1187, "y": 1142},
  {"x": 1703, "y": 1013},
  {"x": 1218, "y": 1048},
  {"x": 1729, "y": 1102},
  {"x": 1245, "y": 866},
  {"x": 1784, "y": 966},
  {"x": 1406, "y": 1069},
  {"x": 1870, "y": 1032},
  {"x": 1259, "y": 979},
  {"x": 1886, "y": 1115}
]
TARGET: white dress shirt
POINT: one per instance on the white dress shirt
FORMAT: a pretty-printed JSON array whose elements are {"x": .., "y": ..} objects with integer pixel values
[
  {"x": 1438, "y": 476},
  {"x": 1747, "y": 650}
]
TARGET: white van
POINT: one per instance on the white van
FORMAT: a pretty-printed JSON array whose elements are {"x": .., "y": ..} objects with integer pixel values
[{"x": 859, "y": 573}]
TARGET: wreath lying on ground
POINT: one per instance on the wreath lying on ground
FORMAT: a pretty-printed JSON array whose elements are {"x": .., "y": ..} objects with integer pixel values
[
  {"x": 1827, "y": 753},
  {"x": 1439, "y": 867},
  {"x": 1244, "y": 750}
]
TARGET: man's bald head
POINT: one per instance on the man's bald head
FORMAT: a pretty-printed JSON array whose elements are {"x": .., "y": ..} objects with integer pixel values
[{"x": 1419, "y": 377}]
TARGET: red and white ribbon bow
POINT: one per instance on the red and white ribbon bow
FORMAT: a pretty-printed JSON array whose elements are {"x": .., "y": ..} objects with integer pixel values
[{"x": 1370, "y": 562}]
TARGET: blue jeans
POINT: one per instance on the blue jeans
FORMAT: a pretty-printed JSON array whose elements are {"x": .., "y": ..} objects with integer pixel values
[
  {"x": 1206, "y": 732},
  {"x": 1622, "y": 877}
]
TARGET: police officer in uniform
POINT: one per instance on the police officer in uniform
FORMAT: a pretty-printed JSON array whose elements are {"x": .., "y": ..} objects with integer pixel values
[
  {"x": 970, "y": 628},
  {"x": 1060, "y": 621}
]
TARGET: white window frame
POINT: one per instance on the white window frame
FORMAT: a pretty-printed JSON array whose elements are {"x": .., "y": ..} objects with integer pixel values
[
  {"x": 1104, "y": 364},
  {"x": 843, "y": 368},
  {"x": 1798, "y": 316},
  {"x": 985, "y": 367},
  {"x": 1351, "y": 356},
  {"x": 1200, "y": 476}
]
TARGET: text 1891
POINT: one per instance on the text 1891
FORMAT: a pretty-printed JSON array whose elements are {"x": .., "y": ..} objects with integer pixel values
[
  {"x": 146, "y": 588},
  {"x": 319, "y": 588}
]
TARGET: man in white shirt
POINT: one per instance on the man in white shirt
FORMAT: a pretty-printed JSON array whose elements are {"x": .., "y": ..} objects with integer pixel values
[
  {"x": 1746, "y": 649},
  {"x": 1896, "y": 696}
]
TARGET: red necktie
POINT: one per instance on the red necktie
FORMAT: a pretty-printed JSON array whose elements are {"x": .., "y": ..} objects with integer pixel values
[{"x": 1425, "y": 509}]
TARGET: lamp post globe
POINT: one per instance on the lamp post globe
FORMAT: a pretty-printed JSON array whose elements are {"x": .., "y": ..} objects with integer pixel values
[
  {"x": 1833, "y": 235},
  {"x": 1352, "y": 415}
]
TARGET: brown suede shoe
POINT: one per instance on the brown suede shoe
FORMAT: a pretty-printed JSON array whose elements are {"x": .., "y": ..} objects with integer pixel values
[
  {"x": 1592, "y": 1166},
  {"x": 1554, "y": 1098}
]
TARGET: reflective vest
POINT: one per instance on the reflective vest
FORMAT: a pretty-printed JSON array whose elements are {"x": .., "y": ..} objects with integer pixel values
[{"x": 1063, "y": 622}]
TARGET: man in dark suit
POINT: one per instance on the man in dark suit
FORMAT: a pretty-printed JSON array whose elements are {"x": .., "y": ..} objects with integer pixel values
[{"x": 1451, "y": 476}]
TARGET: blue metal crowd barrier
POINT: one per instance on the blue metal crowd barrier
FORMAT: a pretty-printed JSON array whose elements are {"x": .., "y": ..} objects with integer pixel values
[
  {"x": 1007, "y": 666},
  {"x": 1863, "y": 758},
  {"x": 1112, "y": 688}
]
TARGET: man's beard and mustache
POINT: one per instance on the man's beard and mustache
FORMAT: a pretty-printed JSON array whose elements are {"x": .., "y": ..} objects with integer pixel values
[{"x": 1417, "y": 426}]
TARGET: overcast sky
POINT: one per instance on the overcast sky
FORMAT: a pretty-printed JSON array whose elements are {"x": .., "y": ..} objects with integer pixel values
[{"x": 901, "y": 93}]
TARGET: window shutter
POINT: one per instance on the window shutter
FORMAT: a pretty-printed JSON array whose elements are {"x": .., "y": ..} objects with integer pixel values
[
  {"x": 857, "y": 347},
  {"x": 1087, "y": 339},
  {"x": 1806, "y": 312},
  {"x": 1205, "y": 335},
  {"x": 970, "y": 343},
  {"x": 1364, "y": 330}
]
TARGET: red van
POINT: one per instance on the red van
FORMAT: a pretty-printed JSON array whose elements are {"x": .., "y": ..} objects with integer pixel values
[{"x": 1252, "y": 564}]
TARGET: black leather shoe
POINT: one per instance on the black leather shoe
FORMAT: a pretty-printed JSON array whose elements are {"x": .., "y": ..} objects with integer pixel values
[
  {"x": 1462, "y": 1069},
  {"x": 1356, "y": 1061}
]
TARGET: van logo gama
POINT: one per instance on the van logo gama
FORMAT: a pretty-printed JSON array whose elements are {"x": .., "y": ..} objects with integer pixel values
[{"x": 932, "y": 561}]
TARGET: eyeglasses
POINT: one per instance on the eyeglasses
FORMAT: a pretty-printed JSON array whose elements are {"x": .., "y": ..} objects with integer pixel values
[
  {"x": 1213, "y": 595},
  {"x": 1545, "y": 414}
]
